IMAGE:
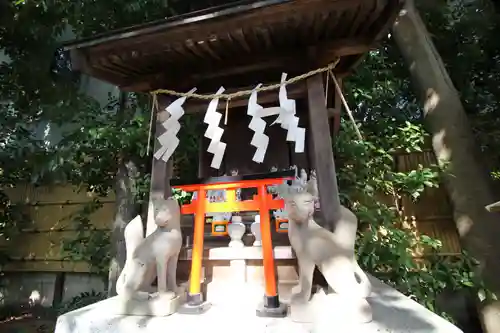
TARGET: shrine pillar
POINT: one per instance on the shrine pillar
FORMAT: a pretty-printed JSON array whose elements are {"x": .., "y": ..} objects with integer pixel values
[
  {"x": 161, "y": 171},
  {"x": 322, "y": 152}
]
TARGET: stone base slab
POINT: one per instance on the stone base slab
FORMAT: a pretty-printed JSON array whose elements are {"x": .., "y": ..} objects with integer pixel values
[
  {"x": 160, "y": 306},
  {"x": 338, "y": 308},
  {"x": 392, "y": 313}
]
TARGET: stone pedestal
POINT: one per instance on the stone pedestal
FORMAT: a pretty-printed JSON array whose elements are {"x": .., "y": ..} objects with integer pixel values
[
  {"x": 160, "y": 305},
  {"x": 236, "y": 231},
  {"x": 238, "y": 271},
  {"x": 388, "y": 311},
  {"x": 238, "y": 278},
  {"x": 231, "y": 287},
  {"x": 255, "y": 228}
]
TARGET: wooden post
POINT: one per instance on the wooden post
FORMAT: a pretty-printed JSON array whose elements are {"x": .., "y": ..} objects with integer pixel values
[
  {"x": 161, "y": 174},
  {"x": 161, "y": 171},
  {"x": 321, "y": 144},
  {"x": 201, "y": 159}
]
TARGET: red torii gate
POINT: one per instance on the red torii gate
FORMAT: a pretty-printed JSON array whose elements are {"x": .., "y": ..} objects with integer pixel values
[{"x": 262, "y": 202}]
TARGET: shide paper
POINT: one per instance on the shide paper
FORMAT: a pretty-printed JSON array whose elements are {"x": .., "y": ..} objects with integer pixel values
[
  {"x": 258, "y": 125},
  {"x": 169, "y": 140},
  {"x": 288, "y": 120},
  {"x": 214, "y": 132}
]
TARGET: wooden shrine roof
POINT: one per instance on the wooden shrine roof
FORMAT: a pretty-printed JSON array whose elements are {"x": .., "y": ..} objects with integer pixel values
[{"x": 248, "y": 42}]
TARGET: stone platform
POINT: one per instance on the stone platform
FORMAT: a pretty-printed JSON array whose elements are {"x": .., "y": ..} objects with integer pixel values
[{"x": 392, "y": 313}]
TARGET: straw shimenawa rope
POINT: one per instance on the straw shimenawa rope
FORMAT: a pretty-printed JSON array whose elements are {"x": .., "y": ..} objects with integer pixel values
[
  {"x": 347, "y": 108},
  {"x": 243, "y": 93}
]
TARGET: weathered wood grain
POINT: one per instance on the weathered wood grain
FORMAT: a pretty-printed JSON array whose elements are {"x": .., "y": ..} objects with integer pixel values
[
  {"x": 321, "y": 144},
  {"x": 255, "y": 39}
]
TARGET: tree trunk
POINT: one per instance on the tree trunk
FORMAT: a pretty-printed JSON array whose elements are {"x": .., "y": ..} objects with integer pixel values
[
  {"x": 453, "y": 144},
  {"x": 126, "y": 208}
]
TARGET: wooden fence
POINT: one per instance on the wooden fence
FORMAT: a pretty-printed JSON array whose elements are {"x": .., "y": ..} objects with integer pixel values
[
  {"x": 432, "y": 213},
  {"x": 39, "y": 246}
]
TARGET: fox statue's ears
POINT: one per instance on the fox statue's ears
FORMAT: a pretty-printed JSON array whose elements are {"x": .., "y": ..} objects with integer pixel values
[
  {"x": 299, "y": 185},
  {"x": 312, "y": 185}
]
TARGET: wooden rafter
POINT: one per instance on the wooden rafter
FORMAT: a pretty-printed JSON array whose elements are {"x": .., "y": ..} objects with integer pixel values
[{"x": 220, "y": 43}]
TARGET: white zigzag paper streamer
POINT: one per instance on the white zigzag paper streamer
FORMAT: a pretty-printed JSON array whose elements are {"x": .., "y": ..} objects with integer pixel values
[
  {"x": 288, "y": 119},
  {"x": 169, "y": 140},
  {"x": 257, "y": 124},
  {"x": 214, "y": 132}
]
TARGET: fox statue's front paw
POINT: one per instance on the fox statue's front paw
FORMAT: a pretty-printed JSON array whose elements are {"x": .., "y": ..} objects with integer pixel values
[
  {"x": 298, "y": 295},
  {"x": 164, "y": 295},
  {"x": 296, "y": 289}
]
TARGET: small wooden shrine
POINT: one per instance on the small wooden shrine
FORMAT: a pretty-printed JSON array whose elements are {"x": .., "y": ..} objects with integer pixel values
[{"x": 238, "y": 46}]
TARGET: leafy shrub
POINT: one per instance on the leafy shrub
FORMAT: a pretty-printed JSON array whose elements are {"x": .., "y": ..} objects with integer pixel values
[{"x": 387, "y": 244}]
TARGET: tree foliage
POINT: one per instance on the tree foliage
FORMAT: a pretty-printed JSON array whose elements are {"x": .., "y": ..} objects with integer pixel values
[
  {"x": 391, "y": 123},
  {"x": 388, "y": 244},
  {"x": 466, "y": 36}
]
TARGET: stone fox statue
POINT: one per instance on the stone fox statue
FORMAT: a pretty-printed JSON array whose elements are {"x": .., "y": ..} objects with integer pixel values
[
  {"x": 332, "y": 252},
  {"x": 153, "y": 256}
]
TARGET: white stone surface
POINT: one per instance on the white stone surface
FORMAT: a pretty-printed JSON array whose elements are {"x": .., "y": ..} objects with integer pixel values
[
  {"x": 340, "y": 309},
  {"x": 218, "y": 319},
  {"x": 392, "y": 313},
  {"x": 160, "y": 306}
]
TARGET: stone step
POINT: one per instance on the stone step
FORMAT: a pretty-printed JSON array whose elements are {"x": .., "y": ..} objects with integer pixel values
[
  {"x": 249, "y": 271},
  {"x": 244, "y": 294},
  {"x": 231, "y": 253},
  {"x": 222, "y": 265}
]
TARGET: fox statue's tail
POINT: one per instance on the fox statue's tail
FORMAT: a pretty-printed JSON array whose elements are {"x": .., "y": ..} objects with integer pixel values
[{"x": 133, "y": 237}]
